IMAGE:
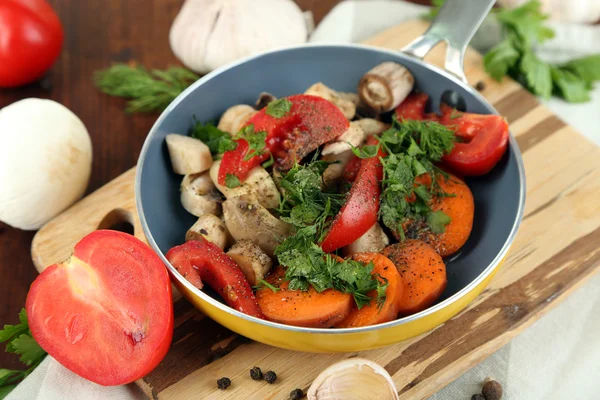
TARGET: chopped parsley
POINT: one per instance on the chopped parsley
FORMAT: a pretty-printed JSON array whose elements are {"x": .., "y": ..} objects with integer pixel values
[
  {"x": 217, "y": 141},
  {"x": 256, "y": 141},
  {"x": 279, "y": 108},
  {"x": 232, "y": 181}
]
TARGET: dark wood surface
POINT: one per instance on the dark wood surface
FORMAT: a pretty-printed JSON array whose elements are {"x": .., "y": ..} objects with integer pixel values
[{"x": 97, "y": 33}]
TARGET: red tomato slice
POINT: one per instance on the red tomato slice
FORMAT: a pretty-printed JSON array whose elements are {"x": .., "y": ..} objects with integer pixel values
[
  {"x": 31, "y": 40},
  {"x": 359, "y": 213},
  {"x": 485, "y": 139},
  {"x": 200, "y": 261},
  {"x": 351, "y": 169},
  {"x": 106, "y": 313},
  {"x": 311, "y": 122},
  {"x": 413, "y": 107}
]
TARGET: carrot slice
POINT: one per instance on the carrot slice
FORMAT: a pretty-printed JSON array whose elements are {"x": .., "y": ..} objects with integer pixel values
[
  {"x": 460, "y": 207},
  {"x": 423, "y": 274},
  {"x": 302, "y": 308},
  {"x": 372, "y": 314}
]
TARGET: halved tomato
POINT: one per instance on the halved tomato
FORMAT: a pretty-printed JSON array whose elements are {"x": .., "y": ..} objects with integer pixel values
[{"x": 106, "y": 313}]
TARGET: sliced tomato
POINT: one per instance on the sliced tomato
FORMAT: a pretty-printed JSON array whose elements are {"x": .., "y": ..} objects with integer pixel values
[
  {"x": 413, "y": 107},
  {"x": 351, "y": 169},
  {"x": 106, "y": 313},
  {"x": 200, "y": 261},
  {"x": 311, "y": 122},
  {"x": 359, "y": 213},
  {"x": 484, "y": 139}
]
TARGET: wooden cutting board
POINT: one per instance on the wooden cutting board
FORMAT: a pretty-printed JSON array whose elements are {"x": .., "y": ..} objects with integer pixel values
[{"x": 555, "y": 251}]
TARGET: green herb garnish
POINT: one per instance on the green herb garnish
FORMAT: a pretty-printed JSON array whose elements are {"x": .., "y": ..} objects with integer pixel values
[
  {"x": 262, "y": 283},
  {"x": 217, "y": 141},
  {"x": 149, "y": 91},
  {"x": 256, "y": 141},
  {"x": 19, "y": 341},
  {"x": 279, "y": 108},
  {"x": 232, "y": 181}
]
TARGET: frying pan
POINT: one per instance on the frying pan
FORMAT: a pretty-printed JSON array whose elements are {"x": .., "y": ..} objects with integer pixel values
[{"x": 499, "y": 196}]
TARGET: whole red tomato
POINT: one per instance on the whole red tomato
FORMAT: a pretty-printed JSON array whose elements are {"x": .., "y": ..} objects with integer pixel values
[{"x": 31, "y": 38}]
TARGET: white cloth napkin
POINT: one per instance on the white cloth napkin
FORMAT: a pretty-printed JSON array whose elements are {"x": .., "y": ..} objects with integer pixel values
[{"x": 556, "y": 358}]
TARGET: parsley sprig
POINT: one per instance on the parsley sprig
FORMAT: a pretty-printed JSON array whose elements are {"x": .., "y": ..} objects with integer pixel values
[
  {"x": 19, "y": 341},
  {"x": 219, "y": 141},
  {"x": 310, "y": 210}
]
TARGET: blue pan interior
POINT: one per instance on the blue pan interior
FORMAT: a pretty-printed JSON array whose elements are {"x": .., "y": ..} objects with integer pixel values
[{"x": 291, "y": 71}]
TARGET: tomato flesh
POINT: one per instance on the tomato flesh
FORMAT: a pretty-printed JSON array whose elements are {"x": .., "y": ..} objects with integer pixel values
[
  {"x": 106, "y": 313},
  {"x": 31, "y": 40},
  {"x": 200, "y": 261},
  {"x": 484, "y": 141},
  {"x": 413, "y": 107},
  {"x": 359, "y": 213},
  {"x": 311, "y": 122}
]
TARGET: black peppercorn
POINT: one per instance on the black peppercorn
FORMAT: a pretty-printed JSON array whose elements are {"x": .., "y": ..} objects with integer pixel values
[
  {"x": 492, "y": 390},
  {"x": 256, "y": 374},
  {"x": 270, "y": 377},
  {"x": 477, "y": 396},
  {"x": 480, "y": 86},
  {"x": 296, "y": 394},
  {"x": 223, "y": 383}
]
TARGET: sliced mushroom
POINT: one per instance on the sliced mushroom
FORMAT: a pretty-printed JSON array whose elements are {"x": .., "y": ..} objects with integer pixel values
[
  {"x": 371, "y": 126},
  {"x": 188, "y": 155},
  {"x": 347, "y": 107},
  {"x": 247, "y": 219},
  {"x": 259, "y": 183},
  {"x": 335, "y": 171},
  {"x": 263, "y": 100},
  {"x": 373, "y": 241},
  {"x": 199, "y": 196},
  {"x": 351, "y": 97},
  {"x": 253, "y": 262},
  {"x": 211, "y": 228},
  {"x": 354, "y": 136},
  {"x": 234, "y": 118},
  {"x": 384, "y": 87}
]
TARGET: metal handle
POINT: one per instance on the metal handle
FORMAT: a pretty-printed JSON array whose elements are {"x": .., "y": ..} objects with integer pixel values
[{"x": 455, "y": 24}]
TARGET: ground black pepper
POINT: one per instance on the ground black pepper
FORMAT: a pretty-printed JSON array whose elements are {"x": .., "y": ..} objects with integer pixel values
[
  {"x": 270, "y": 377},
  {"x": 296, "y": 394},
  {"x": 480, "y": 86},
  {"x": 223, "y": 383},
  {"x": 492, "y": 390},
  {"x": 256, "y": 374}
]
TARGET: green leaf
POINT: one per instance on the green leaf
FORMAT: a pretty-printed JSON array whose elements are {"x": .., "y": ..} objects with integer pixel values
[
  {"x": 570, "y": 86},
  {"x": 269, "y": 162},
  {"x": 279, "y": 108},
  {"x": 9, "y": 376},
  {"x": 587, "y": 68},
  {"x": 527, "y": 21},
  {"x": 537, "y": 74},
  {"x": 437, "y": 221},
  {"x": 500, "y": 58},
  {"x": 266, "y": 284},
  {"x": 217, "y": 141},
  {"x": 256, "y": 141},
  {"x": 369, "y": 151},
  {"x": 5, "y": 390},
  {"x": 11, "y": 331},
  {"x": 232, "y": 181},
  {"x": 28, "y": 348}
]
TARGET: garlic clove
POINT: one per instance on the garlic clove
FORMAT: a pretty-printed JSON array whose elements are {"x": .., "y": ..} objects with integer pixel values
[{"x": 355, "y": 379}]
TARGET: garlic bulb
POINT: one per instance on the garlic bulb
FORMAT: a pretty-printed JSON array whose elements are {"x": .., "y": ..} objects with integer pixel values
[
  {"x": 355, "y": 379},
  {"x": 207, "y": 34},
  {"x": 574, "y": 11},
  {"x": 45, "y": 161}
]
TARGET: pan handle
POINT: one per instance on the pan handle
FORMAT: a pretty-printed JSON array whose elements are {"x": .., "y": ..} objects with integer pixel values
[{"x": 455, "y": 24}]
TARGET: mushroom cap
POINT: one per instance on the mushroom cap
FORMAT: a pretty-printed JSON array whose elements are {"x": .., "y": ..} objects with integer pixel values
[{"x": 45, "y": 161}]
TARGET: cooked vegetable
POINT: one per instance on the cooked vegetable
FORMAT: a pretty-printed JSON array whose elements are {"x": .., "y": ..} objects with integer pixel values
[
  {"x": 457, "y": 207},
  {"x": 211, "y": 228},
  {"x": 253, "y": 262},
  {"x": 263, "y": 100},
  {"x": 258, "y": 183},
  {"x": 353, "y": 137},
  {"x": 202, "y": 262},
  {"x": 385, "y": 86},
  {"x": 310, "y": 122},
  {"x": 382, "y": 308},
  {"x": 423, "y": 273},
  {"x": 353, "y": 378},
  {"x": 234, "y": 118},
  {"x": 308, "y": 308},
  {"x": 199, "y": 195},
  {"x": 413, "y": 107},
  {"x": 246, "y": 219},
  {"x": 335, "y": 170},
  {"x": 483, "y": 141},
  {"x": 373, "y": 241},
  {"x": 359, "y": 212},
  {"x": 371, "y": 126},
  {"x": 32, "y": 38},
  {"x": 188, "y": 155},
  {"x": 45, "y": 161},
  {"x": 346, "y": 106},
  {"x": 106, "y": 313}
]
